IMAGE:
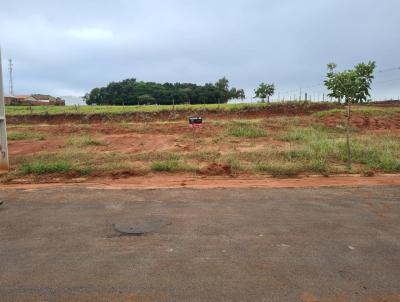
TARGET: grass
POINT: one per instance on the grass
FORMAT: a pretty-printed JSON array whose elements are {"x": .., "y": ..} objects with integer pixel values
[
  {"x": 112, "y": 110},
  {"x": 45, "y": 167},
  {"x": 380, "y": 152},
  {"x": 84, "y": 141},
  {"x": 88, "y": 110},
  {"x": 305, "y": 134},
  {"x": 157, "y": 156},
  {"x": 17, "y": 136},
  {"x": 171, "y": 166},
  {"x": 246, "y": 129},
  {"x": 359, "y": 109},
  {"x": 287, "y": 146}
]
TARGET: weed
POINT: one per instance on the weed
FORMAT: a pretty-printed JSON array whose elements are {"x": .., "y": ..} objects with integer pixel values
[
  {"x": 171, "y": 166},
  {"x": 234, "y": 164},
  {"x": 84, "y": 141},
  {"x": 44, "y": 167},
  {"x": 377, "y": 152},
  {"x": 208, "y": 156},
  {"x": 247, "y": 131},
  {"x": 16, "y": 136}
]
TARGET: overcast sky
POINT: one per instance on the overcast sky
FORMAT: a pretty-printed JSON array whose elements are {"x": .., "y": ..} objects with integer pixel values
[{"x": 69, "y": 47}]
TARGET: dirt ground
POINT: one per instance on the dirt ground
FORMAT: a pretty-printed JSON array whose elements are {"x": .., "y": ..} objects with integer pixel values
[
  {"x": 128, "y": 149},
  {"x": 307, "y": 245}
]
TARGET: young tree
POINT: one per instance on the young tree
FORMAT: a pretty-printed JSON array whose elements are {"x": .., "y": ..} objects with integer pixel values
[
  {"x": 240, "y": 94},
  {"x": 352, "y": 85},
  {"x": 222, "y": 86},
  {"x": 265, "y": 91}
]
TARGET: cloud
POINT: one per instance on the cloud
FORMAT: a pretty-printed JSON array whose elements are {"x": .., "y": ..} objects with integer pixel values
[
  {"x": 90, "y": 33},
  {"x": 76, "y": 45}
]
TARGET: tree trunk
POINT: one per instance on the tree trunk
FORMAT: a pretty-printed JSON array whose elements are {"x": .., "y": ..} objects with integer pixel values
[
  {"x": 349, "y": 161},
  {"x": 268, "y": 99}
]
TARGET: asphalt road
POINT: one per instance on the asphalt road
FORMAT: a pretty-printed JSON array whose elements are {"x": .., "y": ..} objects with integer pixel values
[{"x": 325, "y": 244}]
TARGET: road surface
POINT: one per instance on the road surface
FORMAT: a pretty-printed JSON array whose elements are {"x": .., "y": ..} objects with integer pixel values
[{"x": 303, "y": 244}]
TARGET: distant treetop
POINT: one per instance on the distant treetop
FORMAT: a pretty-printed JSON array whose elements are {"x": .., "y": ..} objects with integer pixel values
[{"x": 132, "y": 92}]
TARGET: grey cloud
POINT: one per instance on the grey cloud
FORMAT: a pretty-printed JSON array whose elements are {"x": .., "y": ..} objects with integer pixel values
[{"x": 60, "y": 46}]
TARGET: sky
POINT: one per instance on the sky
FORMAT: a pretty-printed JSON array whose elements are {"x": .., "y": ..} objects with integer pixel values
[{"x": 69, "y": 47}]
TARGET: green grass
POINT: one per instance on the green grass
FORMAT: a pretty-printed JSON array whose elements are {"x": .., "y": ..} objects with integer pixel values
[
  {"x": 247, "y": 131},
  {"x": 306, "y": 134},
  {"x": 88, "y": 110},
  {"x": 208, "y": 156},
  {"x": 17, "y": 136},
  {"x": 381, "y": 152},
  {"x": 361, "y": 109},
  {"x": 84, "y": 141},
  {"x": 171, "y": 166},
  {"x": 157, "y": 156},
  {"x": 40, "y": 167},
  {"x": 316, "y": 147},
  {"x": 111, "y": 110}
]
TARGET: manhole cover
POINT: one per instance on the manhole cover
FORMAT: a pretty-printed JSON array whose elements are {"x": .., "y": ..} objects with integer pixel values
[{"x": 139, "y": 227}]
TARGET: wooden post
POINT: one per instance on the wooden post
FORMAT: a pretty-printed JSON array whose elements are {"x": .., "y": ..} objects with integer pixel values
[{"x": 4, "y": 164}]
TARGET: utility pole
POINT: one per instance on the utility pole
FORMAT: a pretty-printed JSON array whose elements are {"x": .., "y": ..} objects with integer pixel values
[
  {"x": 4, "y": 166},
  {"x": 10, "y": 69}
]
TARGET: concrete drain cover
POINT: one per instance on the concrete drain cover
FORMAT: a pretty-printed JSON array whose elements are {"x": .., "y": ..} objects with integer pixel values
[{"x": 139, "y": 227}]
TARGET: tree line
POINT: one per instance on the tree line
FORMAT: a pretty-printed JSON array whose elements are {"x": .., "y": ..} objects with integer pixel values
[
  {"x": 133, "y": 92},
  {"x": 349, "y": 86}
]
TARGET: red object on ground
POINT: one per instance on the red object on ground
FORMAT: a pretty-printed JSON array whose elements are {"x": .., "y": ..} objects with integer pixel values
[
  {"x": 196, "y": 122},
  {"x": 196, "y": 126}
]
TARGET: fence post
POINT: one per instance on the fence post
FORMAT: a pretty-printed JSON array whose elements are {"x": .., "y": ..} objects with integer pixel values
[{"x": 4, "y": 164}]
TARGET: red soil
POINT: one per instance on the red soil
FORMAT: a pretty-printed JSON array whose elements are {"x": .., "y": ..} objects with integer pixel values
[
  {"x": 207, "y": 182},
  {"x": 364, "y": 122}
]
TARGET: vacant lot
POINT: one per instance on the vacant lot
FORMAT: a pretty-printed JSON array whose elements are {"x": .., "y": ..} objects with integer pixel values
[{"x": 278, "y": 140}]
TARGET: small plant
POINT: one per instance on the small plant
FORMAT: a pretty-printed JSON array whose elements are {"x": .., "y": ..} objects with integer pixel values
[
  {"x": 165, "y": 166},
  {"x": 247, "y": 131},
  {"x": 44, "y": 167},
  {"x": 171, "y": 166},
  {"x": 84, "y": 141}
]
